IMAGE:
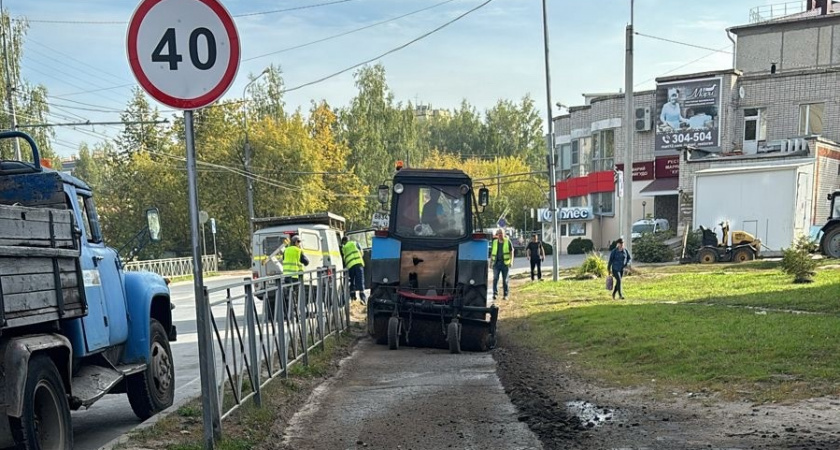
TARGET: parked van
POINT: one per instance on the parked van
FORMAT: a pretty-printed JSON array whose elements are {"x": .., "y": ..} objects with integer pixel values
[
  {"x": 644, "y": 226},
  {"x": 320, "y": 236}
]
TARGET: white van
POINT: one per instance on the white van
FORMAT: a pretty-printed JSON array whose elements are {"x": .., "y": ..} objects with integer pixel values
[
  {"x": 644, "y": 226},
  {"x": 320, "y": 236}
]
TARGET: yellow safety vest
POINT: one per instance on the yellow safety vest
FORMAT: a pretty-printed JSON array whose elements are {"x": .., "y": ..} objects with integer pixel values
[
  {"x": 352, "y": 255},
  {"x": 505, "y": 249},
  {"x": 291, "y": 260}
]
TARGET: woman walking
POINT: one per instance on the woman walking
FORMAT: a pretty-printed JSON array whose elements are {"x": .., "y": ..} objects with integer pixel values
[{"x": 619, "y": 259}]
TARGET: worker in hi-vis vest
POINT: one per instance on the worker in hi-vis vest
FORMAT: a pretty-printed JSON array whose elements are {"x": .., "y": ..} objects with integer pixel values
[
  {"x": 501, "y": 258},
  {"x": 351, "y": 251},
  {"x": 294, "y": 260}
]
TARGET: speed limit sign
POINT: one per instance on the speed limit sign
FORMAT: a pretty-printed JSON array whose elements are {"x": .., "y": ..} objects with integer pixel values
[{"x": 184, "y": 53}]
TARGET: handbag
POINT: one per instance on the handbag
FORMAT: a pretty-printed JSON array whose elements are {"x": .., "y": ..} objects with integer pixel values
[{"x": 609, "y": 282}]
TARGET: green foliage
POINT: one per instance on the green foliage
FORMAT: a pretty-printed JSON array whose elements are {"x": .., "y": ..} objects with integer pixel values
[
  {"x": 594, "y": 264},
  {"x": 579, "y": 246},
  {"x": 797, "y": 260},
  {"x": 693, "y": 243},
  {"x": 650, "y": 249}
]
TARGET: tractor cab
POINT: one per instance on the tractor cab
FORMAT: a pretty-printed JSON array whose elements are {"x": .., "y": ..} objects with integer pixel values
[{"x": 429, "y": 267}]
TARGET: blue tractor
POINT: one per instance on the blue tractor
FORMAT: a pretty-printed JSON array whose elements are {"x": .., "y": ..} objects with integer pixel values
[{"x": 429, "y": 267}]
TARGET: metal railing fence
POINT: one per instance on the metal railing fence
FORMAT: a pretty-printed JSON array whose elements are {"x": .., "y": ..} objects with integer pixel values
[
  {"x": 774, "y": 11},
  {"x": 263, "y": 327},
  {"x": 173, "y": 267}
]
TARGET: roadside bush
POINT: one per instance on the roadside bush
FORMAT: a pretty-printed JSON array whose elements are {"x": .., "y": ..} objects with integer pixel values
[
  {"x": 650, "y": 249},
  {"x": 593, "y": 266},
  {"x": 797, "y": 260},
  {"x": 580, "y": 246}
]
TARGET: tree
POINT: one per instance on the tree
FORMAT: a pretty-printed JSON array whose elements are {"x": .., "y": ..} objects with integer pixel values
[
  {"x": 30, "y": 101},
  {"x": 515, "y": 130}
]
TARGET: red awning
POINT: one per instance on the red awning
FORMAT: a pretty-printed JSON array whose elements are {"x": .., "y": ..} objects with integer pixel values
[{"x": 662, "y": 186}]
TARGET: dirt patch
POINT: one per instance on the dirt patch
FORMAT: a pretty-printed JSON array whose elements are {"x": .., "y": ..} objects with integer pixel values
[
  {"x": 249, "y": 426},
  {"x": 568, "y": 411}
]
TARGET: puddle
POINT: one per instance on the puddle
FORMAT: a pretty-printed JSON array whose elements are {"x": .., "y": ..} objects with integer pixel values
[{"x": 590, "y": 415}]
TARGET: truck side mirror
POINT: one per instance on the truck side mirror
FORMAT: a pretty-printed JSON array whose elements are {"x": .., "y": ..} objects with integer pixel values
[
  {"x": 382, "y": 194},
  {"x": 483, "y": 197},
  {"x": 153, "y": 222}
]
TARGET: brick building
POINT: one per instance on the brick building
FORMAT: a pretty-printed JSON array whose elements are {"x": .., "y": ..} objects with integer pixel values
[{"x": 755, "y": 145}]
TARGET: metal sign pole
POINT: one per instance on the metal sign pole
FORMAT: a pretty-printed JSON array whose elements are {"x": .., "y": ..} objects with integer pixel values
[{"x": 210, "y": 401}]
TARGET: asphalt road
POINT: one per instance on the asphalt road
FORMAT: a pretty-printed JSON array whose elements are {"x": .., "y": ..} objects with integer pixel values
[{"x": 112, "y": 416}]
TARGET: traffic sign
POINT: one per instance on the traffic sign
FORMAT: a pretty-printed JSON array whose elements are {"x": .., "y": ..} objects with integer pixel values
[
  {"x": 184, "y": 53},
  {"x": 502, "y": 222}
]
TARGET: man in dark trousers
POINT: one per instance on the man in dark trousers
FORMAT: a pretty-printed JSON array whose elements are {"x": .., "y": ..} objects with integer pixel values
[
  {"x": 618, "y": 261},
  {"x": 535, "y": 254},
  {"x": 351, "y": 251}
]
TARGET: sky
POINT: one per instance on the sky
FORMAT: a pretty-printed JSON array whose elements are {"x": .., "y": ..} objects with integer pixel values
[{"x": 77, "y": 50}]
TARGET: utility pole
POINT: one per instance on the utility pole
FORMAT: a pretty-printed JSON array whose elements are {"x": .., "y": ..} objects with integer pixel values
[
  {"x": 249, "y": 182},
  {"x": 628, "y": 128},
  {"x": 9, "y": 88},
  {"x": 552, "y": 175}
]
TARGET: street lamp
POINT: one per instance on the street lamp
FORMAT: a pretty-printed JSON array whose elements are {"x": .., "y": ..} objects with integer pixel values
[
  {"x": 249, "y": 182},
  {"x": 644, "y": 204}
]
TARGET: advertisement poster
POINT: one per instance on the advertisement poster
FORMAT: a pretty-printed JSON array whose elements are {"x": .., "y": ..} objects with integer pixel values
[{"x": 688, "y": 114}]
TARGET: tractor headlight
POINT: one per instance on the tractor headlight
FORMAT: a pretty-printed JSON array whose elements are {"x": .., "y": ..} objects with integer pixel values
[
  {"x": 464, "y": 189},
  {"x": 399, "y": 188},
  {"x": 472, "y": 282},
  {"x": 385, "y": 280}
]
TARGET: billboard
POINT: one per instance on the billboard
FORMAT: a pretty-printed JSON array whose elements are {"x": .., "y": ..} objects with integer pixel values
[{"x": 688, "y": 114}]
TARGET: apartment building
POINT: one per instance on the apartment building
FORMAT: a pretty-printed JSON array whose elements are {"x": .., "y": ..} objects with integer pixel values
[{"x": 754, "y": 145}]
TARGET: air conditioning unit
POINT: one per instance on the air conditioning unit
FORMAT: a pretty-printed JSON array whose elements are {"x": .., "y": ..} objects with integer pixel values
[{"x": 643, "y": 122}]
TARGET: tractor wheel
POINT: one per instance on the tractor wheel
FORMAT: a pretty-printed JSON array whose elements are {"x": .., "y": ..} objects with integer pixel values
[
  {"x": 707, "y": 256},
  {"x": 394, "y": 333},
  {"x": 743, "y": 255},
  {"x": 453, "y": 335},
  {"x": 475, "y": 296},
  {"x": 831, "y": 243}
]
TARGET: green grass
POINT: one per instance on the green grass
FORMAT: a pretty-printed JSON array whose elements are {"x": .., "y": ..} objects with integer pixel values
[{"x": 691, "y": 329}]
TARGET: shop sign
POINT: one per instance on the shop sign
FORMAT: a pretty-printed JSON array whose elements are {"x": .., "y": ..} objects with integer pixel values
[
  {"x": 688, "y": 114},
  {"x": 642, "y": 171},
  {"x": 668, "y": 167},
  {"x": 570, "y": 214}
]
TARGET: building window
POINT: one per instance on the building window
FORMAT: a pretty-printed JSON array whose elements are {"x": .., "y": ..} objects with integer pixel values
[
  {"x": 577, "y": 229},
  {"x": 580, "y": 152},
  {"x": 603, "y": 203},
  {"x": 755, "y": 125},
  {"x": 578, "y": 201},
  {"x": 811, "y": 118},
  {"x": 564, "y": 162},
  {"x": 603, "y": 150}
]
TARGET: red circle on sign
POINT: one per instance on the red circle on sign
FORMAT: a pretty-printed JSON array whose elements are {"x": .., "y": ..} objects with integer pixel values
[{"x": 175, "y": 102}]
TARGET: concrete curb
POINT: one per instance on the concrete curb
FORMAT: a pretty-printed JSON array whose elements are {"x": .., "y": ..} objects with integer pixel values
[{"x": 151, "y": 421}]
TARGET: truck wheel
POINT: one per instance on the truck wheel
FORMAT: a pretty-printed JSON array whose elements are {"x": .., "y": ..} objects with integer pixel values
[
  {"x": 394, "y": 333},
  {"x": 743, "y": 255},
  {"x": 707, "y": 256},
  {"x": 45, "y": 423},
  {"x": 453, "y": 335},
  {"x": 153, "y": 390},
  {"x": 831, "y": 243}
]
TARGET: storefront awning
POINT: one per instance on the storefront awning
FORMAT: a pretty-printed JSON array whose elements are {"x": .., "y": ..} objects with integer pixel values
[{"x": 661, "y": 186}]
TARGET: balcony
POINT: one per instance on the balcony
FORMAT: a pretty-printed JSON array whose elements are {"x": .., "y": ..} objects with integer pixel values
[{"x": 766, "y": 13}]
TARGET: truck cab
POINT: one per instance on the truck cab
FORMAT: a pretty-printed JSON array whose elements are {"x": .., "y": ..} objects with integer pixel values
[{"x": 118, "y": 342}]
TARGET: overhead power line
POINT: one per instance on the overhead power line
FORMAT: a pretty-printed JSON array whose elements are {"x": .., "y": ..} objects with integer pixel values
[
  {"x": 681, "y": 43},
  {"x": 122, "y": 22},
  {"x": 355, "y": 30},
  {"x": 89, "y": 123},
  {"x": 393, "y": 50}
]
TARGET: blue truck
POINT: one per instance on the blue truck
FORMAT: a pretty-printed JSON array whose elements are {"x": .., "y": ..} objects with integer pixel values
[
  {"x": 74, "y": 325},
  {"x": 429, "y": 267}
]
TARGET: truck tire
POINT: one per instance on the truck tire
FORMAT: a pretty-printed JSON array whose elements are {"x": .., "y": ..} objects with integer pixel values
[
  {"x": 153, "y": 390},
  {"x": 831, "y": 243},
  {"x": 743, "y": 255},
  {"x": 707, "y": 256},
  {"x": 394, "y": 333},
  {"x": 45, "y": 423}
]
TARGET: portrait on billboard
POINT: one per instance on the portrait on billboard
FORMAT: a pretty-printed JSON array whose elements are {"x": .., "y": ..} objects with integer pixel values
[{"x": 688, "y": 114}]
